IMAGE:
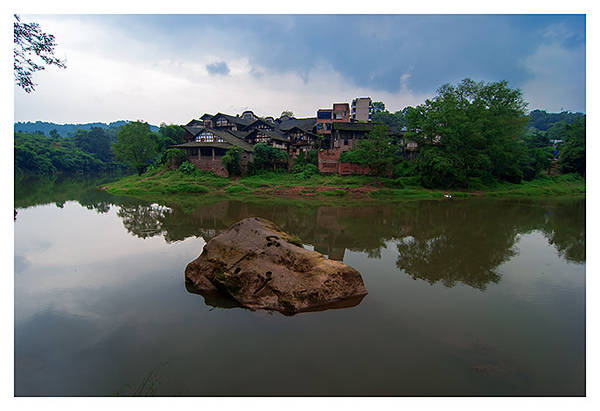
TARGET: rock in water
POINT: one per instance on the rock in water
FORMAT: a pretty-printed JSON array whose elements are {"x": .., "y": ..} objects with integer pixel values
[{"x": 260, "y": 266}]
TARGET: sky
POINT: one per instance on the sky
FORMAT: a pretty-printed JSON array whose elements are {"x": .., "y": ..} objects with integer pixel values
[{"x": 172, "y": 68}]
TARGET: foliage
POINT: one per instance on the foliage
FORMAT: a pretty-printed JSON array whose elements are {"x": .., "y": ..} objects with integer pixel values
[
  {"x": 31, "y": 41},
  {"x": 268, "y": 157},
  {"x": 95, "y": 141},
  {"x": 288, "y": 113},
  {"x": 40, "y": 155},
  {"x": 378, "y": 106},
  {"x": 66, "y": 130},
  {"x": 136, "y": 145},
  {"x": 375, "y": 151},
  {"x": 186, "y": 168},
  {"x": 394, "y": 121},
  {"x": 312, "y": 157},
  {"x": 231, "y": 161},
  {"x": 541, "y": 120},
  {"x": 237, "y": 189},
  {"x": 572, "y": 155},
  {"x": 169, "y": 135},
  {"x": 469, "y": 130},
  {"x": 173, "y": 157}
]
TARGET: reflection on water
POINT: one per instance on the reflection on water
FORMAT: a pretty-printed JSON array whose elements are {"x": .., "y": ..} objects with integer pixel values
[
  {"x": 477, "y": 297},
  {"x": 446, "y": 242}
]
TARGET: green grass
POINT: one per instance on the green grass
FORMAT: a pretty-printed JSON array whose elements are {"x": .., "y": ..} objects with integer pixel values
[{"x": 273, "y": 184}]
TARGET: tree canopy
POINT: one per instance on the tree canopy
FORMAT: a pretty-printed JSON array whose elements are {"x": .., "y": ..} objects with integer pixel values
[
  {"x": 473, "y": 129},
  {"x": 268, "y": 157},
  {"x": 136, "y": 145},
  {"x": 572, "y": 156}
]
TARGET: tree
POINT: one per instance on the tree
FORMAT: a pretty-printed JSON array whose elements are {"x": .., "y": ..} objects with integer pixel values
[
  {"x": 378, "y": 106},
  {"x": 231, "y": 161},
  {"x": 95, "y": 141},
  {"x": 475, "y": 129},
  {"x": 288, "y": 113},
  {"x": 572, "y": 154},
  {"x": 269, "y": 157},
  {"x": 376, "y": 151},
  {"x": 135, "y": 145},
  {"x": 30, "y": 40},
  {"x": 170, "y": 135}
]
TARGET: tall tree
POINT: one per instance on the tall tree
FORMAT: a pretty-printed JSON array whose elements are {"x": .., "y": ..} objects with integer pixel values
[
  {"x": 572, "y": 154},
  {"x": 136, "y": 145},
  {"x": 469, "y": 130},
  {"x": 31, "y": 41}
]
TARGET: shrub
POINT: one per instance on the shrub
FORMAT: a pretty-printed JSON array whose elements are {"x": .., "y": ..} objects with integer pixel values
[{"x": 187, "y": 168}]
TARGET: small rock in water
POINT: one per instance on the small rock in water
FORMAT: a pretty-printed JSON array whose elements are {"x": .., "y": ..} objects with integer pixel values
[{"x": 260, "y": 267}]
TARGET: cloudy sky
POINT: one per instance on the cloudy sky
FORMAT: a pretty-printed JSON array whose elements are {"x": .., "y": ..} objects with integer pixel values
[{"x": 172, "y": 68}]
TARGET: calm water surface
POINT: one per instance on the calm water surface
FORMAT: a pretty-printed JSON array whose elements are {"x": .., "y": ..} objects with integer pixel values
[{"x": 475, "y": 297}]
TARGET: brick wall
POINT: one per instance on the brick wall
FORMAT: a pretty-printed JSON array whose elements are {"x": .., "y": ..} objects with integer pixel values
[
  {"x": 208, "y": 164},
  {"x": 346, "y": 169}
]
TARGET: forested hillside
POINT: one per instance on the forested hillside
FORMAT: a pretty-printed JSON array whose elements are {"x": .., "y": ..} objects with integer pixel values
[{"x": 66, "y": 130}]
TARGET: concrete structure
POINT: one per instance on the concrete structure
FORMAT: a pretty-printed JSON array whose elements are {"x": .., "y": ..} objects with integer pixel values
[{"x": 362, "y": 109}]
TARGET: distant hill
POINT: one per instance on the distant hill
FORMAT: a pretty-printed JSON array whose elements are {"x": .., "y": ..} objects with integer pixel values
[
  {"x": 541, "y": 120},
  {"x": 66, "y": 130}
]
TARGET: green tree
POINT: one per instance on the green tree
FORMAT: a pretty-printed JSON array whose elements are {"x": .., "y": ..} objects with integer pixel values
[
  {"x": 475, "y": 129},
  {"x": 572, "y": 153},
  {"x": 268, "y": 157},
  {"x": 376, "y": 151},
  {"x": 231, "y": 161},
  {"x": 135, "y": 146},
  {"x": 378, "y": 106},
  {"x": 169, "y": 135},
  {"x": 95, "y": 141},
  {"x": 31, "y": 41},
  {"x": 288, "y": 113}
]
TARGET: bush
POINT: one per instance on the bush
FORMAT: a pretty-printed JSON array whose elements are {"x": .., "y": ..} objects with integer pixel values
[
  {"x": 187, "y": 168},
  {"x": 174, "y": 157}
]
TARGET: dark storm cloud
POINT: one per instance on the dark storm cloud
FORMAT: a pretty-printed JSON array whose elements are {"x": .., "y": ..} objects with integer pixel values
[{"x": 376, "y": 51}]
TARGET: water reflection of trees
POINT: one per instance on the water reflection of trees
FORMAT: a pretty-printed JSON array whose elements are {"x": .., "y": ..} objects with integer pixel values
[
  {"x": 443, "y": 242},
  {"x": 439, "y": 242}
]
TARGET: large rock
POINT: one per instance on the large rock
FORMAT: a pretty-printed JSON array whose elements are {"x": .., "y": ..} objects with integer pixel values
[{"x": 260, "y": 266}]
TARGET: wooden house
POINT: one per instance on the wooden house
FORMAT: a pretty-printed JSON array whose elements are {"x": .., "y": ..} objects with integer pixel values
[{"x": 205, "y": 148}]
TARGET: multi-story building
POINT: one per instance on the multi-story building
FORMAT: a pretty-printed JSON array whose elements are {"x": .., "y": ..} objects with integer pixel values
[
  {"x": 362, "y": 109},
  {"x": 326, "y": 116}
]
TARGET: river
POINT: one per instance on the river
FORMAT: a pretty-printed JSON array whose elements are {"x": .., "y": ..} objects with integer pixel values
[{"x": 465, "y": 297}]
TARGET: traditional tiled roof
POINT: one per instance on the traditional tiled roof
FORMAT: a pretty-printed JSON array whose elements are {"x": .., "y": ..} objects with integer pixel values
[
  {"x": 229, "y": 138},
  {"x": 305, "y": 124},
  {"x": 206, "y": 116},
  {"x": 234, "y": 119},
  {"x": 273, "y": 134},
  {"x": 194, "y": 122},
  {"x": 258, "y": 121}
]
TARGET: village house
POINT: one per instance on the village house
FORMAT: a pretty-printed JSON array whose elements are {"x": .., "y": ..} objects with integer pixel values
[
  {"x": 333, "y": 131},
  {"x": 205, "y": 148},
  {"x": 209, "y": 137}
]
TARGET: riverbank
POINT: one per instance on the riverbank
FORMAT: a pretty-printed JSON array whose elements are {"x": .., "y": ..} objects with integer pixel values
[{"x": 322, "y": 187}]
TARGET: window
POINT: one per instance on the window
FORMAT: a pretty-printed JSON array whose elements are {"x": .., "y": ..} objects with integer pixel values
[
  {"x": 205, "y": 137},
  {"x": 346, "y": 141},
  {"x": 324, "y": 115}
]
